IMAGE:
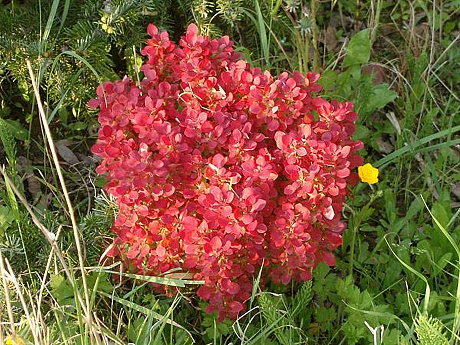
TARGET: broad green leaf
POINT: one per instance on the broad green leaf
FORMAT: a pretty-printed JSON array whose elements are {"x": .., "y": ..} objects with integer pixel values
[
  {"x": 380, "y": 97},
  {"x": 442, "y": 262},
  {"x": 23, "y": 87},
  {"x": 78, "y": 126},
  {"x": 19, "y": 132},
  {"x": 6, "y": 217},
  {"x": 328, "y": 79},
  {"x": 361, "y": 132},
  {"x": 441, "y": 215},
  {"x": 359, "y": 49},
  {"x": 414, "y": 208}
]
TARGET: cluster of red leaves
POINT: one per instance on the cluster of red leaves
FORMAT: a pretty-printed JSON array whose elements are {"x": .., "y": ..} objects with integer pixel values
[{"x": 219, "y": 168}]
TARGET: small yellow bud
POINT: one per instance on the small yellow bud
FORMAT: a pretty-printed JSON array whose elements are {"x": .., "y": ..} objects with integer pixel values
[{"x": 367, "y": 173}]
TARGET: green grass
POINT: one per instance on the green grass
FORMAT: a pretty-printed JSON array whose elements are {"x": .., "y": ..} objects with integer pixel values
[{"x": 397, "y": 277}]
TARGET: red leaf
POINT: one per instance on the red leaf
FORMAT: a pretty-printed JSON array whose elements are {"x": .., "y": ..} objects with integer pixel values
[
  {"x": 258, "y": 205},
  {"x": 94, "y": 103},
  {"x": 342, "y": 173},
  {"x": 235, "y": 307},
  {"x": 152, "y": 30},
  {"x": 192, "y": 33},
  {"x": 255, "y": 109},
  {"x": 215, "y": 243},
  {"x": 293, "y": 171},
  {"x": 329, "y": 213}
]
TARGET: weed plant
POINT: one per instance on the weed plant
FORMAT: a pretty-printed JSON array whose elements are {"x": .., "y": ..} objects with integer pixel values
[{"x": 396, "y": 280}]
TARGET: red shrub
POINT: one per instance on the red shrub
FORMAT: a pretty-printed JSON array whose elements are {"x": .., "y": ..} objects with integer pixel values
[{"x": 219, "y": 168}]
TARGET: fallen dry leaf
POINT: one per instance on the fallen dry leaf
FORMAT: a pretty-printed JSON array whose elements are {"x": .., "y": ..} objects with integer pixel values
[
  {"x": 330, "y": 40},
  {"x": 384, "y": 146},
  {"x": 66, "y": 154},
  {"x": 33, "y": 184},
  {"x": 455, "y": 189}
]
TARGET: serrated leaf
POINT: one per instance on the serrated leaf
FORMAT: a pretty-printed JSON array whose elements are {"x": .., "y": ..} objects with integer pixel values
[
  {"x": 430, "y": 331},
  {"x": 324, "y": 314},
  {"x": 103, "y": 284},
  {"x": 62, "y": 290}
]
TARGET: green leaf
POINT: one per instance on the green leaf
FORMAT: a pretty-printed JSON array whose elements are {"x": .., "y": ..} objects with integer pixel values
[
  {"x": 430, "y": 331},
  {"x": 78, "y": 126},
  {"x": 62, "y": 290},
  {"x": 100, "y": 181},
  {"x": 362, "y": 132},
  {"x": 414, "y": 208},
  {"x": 359, "y": 49},
  {"x": 324, "y": 314},
  {"x": 442, "y": 262},
  {"x": 135, "y": 327},
  {"x": 6, "y": 217},
  {"x": 24, "y": 89},
  {"x": 328, "y": 79},
  {"x": 380, "y": 97},
  {"x": 19, "y": 132},
  {"x": 102, "y": 279},
  {"x": 146, "y": 311},
  {"x": 214, "y": 329},
  {"x": 392, "y": 336},
  {"x": 367, "y": 214},
  {"x": 63, "y": 115},
  {"x": 441, "y": 214},
  {"x": 50, "y": 22},
  {"x": 413, "y": 147}
]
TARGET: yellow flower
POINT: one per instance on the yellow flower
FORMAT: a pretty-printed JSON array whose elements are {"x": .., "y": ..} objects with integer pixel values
[
  {"x": 367, "y": 173},
  {"x": 9, "y": 341}
]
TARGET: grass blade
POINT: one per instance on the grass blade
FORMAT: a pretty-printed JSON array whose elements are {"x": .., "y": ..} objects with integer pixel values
[{"x": 411, "y": 148}]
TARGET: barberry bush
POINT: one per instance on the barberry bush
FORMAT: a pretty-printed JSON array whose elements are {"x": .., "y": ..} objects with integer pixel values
[{"x": 221, "y": 170}]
